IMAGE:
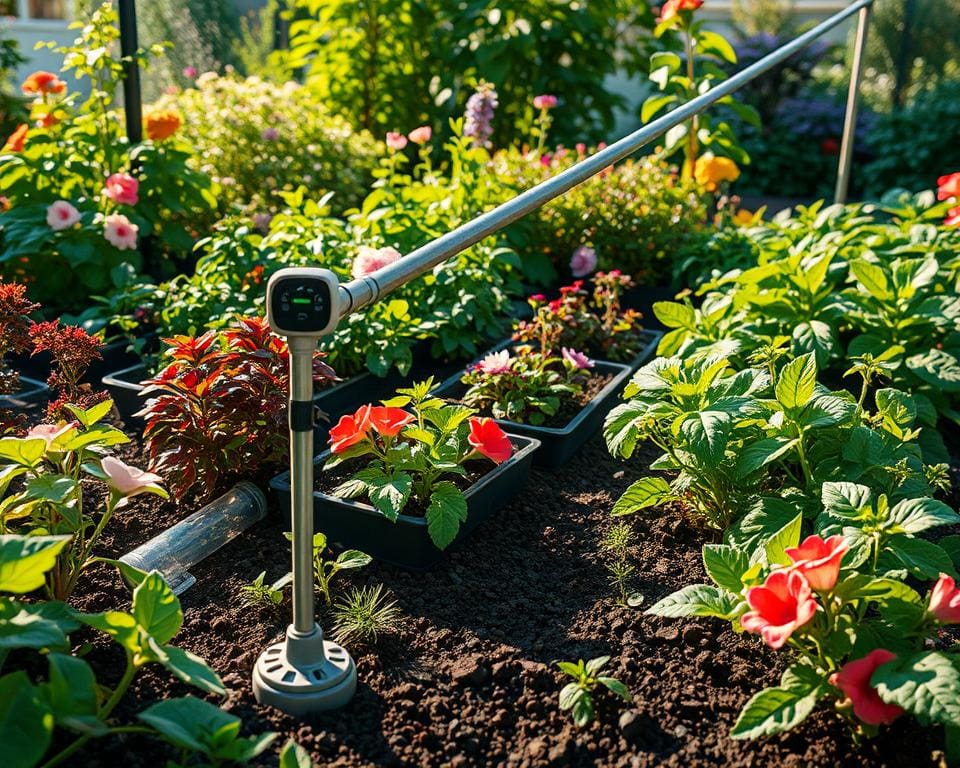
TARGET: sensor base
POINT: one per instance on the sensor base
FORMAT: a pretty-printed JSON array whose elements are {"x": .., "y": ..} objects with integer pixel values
[{"x": 304, "y": 674}]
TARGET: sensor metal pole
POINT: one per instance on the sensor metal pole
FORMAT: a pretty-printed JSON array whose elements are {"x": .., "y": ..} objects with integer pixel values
[{"x": 304, "y": 673}]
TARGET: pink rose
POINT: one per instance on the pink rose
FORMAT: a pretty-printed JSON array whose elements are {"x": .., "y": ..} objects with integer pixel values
[
  {"x": 579, "y": 360},
  {"x": 583, "y": 261},
  {"x": 119, "y": 232},
  {"x": 420, "y": 135},
  {"x": 396, "y": 141},
  {"x": 122, "y": 188},
  {"x": 61, "y": 215},
  {"x": 369, "y": 259},
  {"x": 495, "y": 362}
]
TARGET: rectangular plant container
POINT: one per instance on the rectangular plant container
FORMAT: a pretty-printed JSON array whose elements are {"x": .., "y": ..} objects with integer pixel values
[
  {"x": 355, "y": 525},
  {"x": 559, "y": 443},
  {"x": 31, "y": 394}
]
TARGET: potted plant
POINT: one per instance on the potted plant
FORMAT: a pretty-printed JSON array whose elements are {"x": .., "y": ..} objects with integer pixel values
[
  {"x": 542, "y": 384},
  {"x": 406, "y": 480}
]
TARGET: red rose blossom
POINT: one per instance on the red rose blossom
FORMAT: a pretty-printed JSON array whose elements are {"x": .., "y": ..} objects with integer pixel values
[{"x": 488, "y": 439}]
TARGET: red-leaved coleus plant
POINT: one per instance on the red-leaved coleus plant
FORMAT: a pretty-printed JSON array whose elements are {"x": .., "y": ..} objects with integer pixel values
[
  {"x": 220, "y": 406},
  {"x": 72, "y": 350}
]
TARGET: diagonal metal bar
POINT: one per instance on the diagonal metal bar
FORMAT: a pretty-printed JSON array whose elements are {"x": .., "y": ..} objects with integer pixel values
[{"x": 358, "y": 293}]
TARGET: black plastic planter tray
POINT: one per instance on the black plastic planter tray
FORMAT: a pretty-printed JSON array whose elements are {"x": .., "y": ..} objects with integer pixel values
[
  {"x": 559, "y": 443},
  {"x": 650, "y": 340},
  {"x": 115, "y": 356},
  {"x": 351, "y": 524},
  {"x": 31, "y": 394}
]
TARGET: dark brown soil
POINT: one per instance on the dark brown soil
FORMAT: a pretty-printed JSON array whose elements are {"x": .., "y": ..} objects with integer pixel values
[{"x": 469, "y": 678}]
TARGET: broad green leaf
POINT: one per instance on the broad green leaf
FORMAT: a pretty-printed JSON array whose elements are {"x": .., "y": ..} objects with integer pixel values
[
  {"x": 714, "y": 43},
  {"x": 72, "y": 694},
  {"x": 26, "y": 723},
  {"x": 775, "y": 710},
  {"x": 872, "y": 278},
  {"x": 35, "y": 625},
  {"x": 156, "y": 608},
  {"x": 620, "y": 429},
  {"x": 389, "y": 494},
  {"x": 757, "y": 455},
  {"x": 91, "y": 415},
  {"x": 25, "y": 451},
  {"x": 654, "y": 104},
  {"x": 845, "y": 500},
  {"x": 53, "y": 488},
  {"x": 351, "y": 558},
  {"x": 937, "y": 367},
  {"x": 916, "y": 515},
  {"x": 645, "y": 492},
  {"x": 615, "y": 686},
  {"x": 726, "y": 565},
  {"x": 24, "y": 560},
  {"x": 817, "y": 337},
  {"x": 190, "y": 668},
  {"x": 446, "y": 511},
  {"x": 797, "y": 381},
  {"x": 923, "y": 558},
  {"x": 698, "y": 600},
  {"x": 190, "y": 723},
  {"x": 673, "y": 314},
  {"x": 827, "y": 411},
  {"x": 789, "y": 536},
  {"x": 927, "y": 685},
  {"x": 707, "y": 433},
  {"x": 122, "y": 627},
  {"x": 766, "y": 517},
  {"x": 294, "y": 756}
]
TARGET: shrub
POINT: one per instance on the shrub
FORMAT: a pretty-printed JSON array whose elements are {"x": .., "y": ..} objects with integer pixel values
[
  {"x": 220, "y": 406},
  {"x": 80, "y": 198},
  {"x": 257, "y": 139}
]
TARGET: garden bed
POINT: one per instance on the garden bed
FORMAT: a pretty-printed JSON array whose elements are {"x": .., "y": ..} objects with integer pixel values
[{"x": 468, "y": 680}]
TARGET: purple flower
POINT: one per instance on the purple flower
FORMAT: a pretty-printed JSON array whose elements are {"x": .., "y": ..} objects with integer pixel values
[
  {"x": 495, "y": 362},
  {"x": 262, "y": 221},
  {"x": 190, "y": 72},
  {"x": 478, "y": 119},
  {"x": 269, "y": 134},
  {"x": 579, "y": 360},
  {"x": 583, "y": 261}
]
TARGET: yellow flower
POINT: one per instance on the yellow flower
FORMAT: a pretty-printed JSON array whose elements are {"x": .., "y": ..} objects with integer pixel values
[
  {"x": 710, "y": 170},
  {"x": 743, "y": 217}
]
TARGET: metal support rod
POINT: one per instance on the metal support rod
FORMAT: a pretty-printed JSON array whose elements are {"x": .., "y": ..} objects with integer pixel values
[
  {"x": 132, "y": 102},
  {"x": 301, "y": 484},
  {"x": 358, "y": 293},
  {"x": 853, "y": 100}
]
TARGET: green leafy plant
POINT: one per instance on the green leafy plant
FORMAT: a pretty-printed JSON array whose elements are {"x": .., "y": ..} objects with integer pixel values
[
  {"x": 51, "y": 463},
  {"x": 577, "y": 697},
  {"x": 617, "y": 542},
  {"x": 259, "y": 593},
  {"x": 324, "y": 570},
  {"x": 683, "y": 78},
  {"x": 365, "y": 613},
  {"x": 410, "y": 456}
]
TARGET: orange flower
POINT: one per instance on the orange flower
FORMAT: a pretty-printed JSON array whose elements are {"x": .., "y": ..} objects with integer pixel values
[
  {"x": 17, "y": 139},
  {"x": 4, "y": 203},
  {"x": 948, "y": 186},
  {"x": 46, "y": 120},
  {"x": 43, "y": 82},
  {"x": 162, "y": 124},
  {"x": 350, "y": 430},
  {"x": 672, "y": 7}
]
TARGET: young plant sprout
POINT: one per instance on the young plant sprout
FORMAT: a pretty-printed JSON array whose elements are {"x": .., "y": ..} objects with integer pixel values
[
  {"x": 324, "y": 569},
  {"x": 365, "y": 613},
  {"x": 577, "y": 697},
  {"x": 259, "y": 593}
]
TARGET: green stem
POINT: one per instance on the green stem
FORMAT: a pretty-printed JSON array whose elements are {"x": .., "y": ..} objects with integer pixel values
[
  {"x": 804, "y": 464},
  {"x": 692, "y": 144}
]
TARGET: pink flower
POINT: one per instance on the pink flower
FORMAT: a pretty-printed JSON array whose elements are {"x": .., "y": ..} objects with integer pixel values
[
  {"x": 262, "y": 221},
  {"x": 269, "y": 134},
  {"x": 948, "y": 186},
  {"x": 583, "y": 261},
  {"x": 420, "y": 135},
  {"x": 61, "y": 215},
  {"x": 537, "y": 298},
  {"x": 578, "y": 359},
  {"x": 495, "y": 362},
  {"x": 545, "y": 159},
  {"x": 782, "y": 605},
  {"x": 122, "y": 188},
  {"x": 119, "y": 232},
  {"x": 545, "y": 101},
  {"x": 129, "y": 481},
  {"x": 581, "y": 148},
  {"x": 51, "y": 432},
  {"x": 945, "y": 600},
  {"x": 190, "y": 72},
  {"x": 953, "y": 217},
  {"x": 854, "y": 680},
  {"x": 371, "y": 259},
  {"x": 819, "y": 560},
  {"x": 396, "y": 141}
]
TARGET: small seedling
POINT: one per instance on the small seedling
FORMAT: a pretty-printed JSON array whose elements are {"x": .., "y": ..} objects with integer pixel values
[
  {"x": 617, "y": 542},
  {"x": 324, "y": 570},
  {"x": 257, "y": 593},
  {"x": 363, "y": 614},
  {"x": 578, "y": 695}
]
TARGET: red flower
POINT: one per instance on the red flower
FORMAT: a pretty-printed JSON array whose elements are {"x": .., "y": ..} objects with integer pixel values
[
  {"x": 388, "y": 421},
  {"x": 953, "y": 217},
  {"x": 672, "y": 7},
  {"x": 830, "y": 146},
  {"x": 783, "y": 604},
  {"x": 854, "y": 680},
  {"x": 819, "y": 560},
  {"x": 945, "y": 600},
  {"x": 487, "y": 438},
  {"x": 948, "y": 186},
  {"x": 350, "y": 430},
  {"x": 43, "y": 82},
  {"x": 17, "y": 139}
]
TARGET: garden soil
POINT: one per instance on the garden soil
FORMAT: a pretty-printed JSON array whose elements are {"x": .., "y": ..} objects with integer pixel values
[{"x": 469, "y": 677}]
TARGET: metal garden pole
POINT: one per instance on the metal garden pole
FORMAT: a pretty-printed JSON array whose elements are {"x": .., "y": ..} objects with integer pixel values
[
  {"x": 132, "y": 100},
  {"x": 853, "y": 100}
]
